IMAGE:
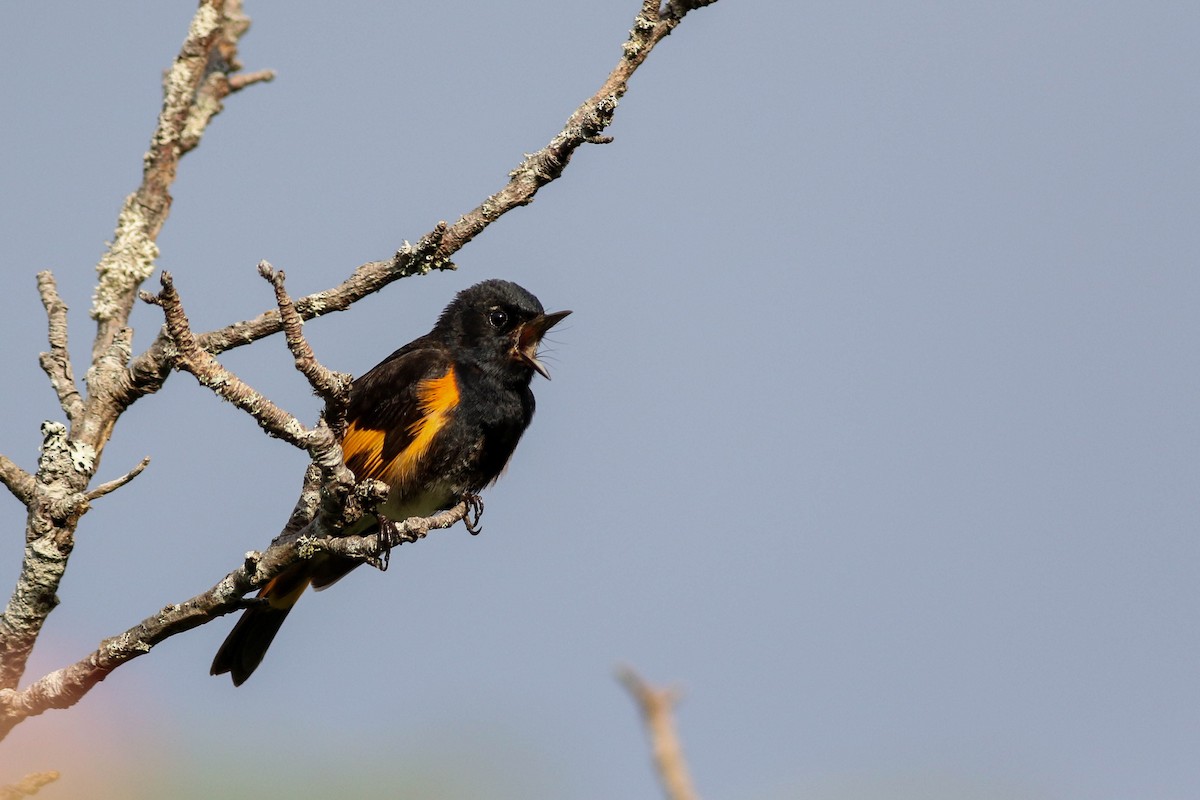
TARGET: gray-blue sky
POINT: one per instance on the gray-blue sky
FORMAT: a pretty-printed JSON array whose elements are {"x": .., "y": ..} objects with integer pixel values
[{"x": 874, "y": 428}]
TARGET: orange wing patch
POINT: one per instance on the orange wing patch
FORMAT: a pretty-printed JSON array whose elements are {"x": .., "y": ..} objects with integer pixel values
[
  {"x": 439, "y": 398},
  {"x": 363, "y": 447}
]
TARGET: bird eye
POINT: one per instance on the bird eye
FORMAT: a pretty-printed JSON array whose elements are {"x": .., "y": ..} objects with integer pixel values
[{"x": 497, "y": 318}]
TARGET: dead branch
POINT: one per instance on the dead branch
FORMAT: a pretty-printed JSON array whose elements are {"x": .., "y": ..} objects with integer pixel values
[
  {"x": 117, "y": 483},
  {"x": 192, "y": 93},
  {"x": 320, "y": 441},
  {"x": 57, "y": 362},
  {"x": 64, "y": 687},
  {"x": 190, "y": 357},
  {"x": 434, "y": 250},
  {"x": 55, "y": 505},
  {"x": 18, "y": 481},
  {"x": 56, "y": 496},
  {"x": 332, "y": 387},
  {"x": 334, "y": 482},
  {"x": 656, "y": 706}
]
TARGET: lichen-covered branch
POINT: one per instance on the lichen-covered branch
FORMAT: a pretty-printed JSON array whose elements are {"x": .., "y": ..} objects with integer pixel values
[
  {"x": 193, "y": 89},
  {"x": 57, "y": 362},
  {"x": 64, "y": 687},
  {"x": 57, "y": 495},
  {"x": 656, "y": 706},
  {"x": 322, "y": 442},
  {"x": 55, "y": 506},
  {"x": 585, "y": 126}
]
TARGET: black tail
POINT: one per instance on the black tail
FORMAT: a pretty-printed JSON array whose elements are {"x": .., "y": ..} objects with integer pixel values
[{"x": 247, "y": 643}]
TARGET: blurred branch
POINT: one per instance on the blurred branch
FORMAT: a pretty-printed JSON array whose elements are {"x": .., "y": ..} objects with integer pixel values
[
  {"x": 28, "y": 786},
  {"x": 656, "y": 706}
]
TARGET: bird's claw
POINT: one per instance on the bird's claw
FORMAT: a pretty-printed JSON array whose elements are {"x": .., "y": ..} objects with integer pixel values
[
  {"x": 474, "y": 513},
  {"x": 388, "y": 536}
]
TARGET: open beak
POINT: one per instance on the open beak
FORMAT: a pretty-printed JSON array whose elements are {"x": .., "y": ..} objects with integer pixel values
[{"x": 529, "y": 336}]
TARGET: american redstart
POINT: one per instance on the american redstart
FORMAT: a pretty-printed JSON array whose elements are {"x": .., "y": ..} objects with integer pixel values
[{"x": 436, "y": 420}]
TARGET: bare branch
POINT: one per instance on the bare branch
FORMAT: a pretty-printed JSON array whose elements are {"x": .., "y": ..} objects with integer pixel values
[
  {"x": 411, "y": 259},
  {"x": 321, "y": 442},
  {"x": 656, "y": 706},
  {"x": 244, "y": 79},
  {"x": 220, "y": 80},
  {"x": 435, "y": 249},
  {"x": 64, "y": 687},
  {"x": 332, "y": 387},
  {"x": 190, "y": 357},
  {"x": 18, "y": 481},
  {"x": 64, "y": 467},
  {"x": 584, "y": 126},
  {"x": 117, "y": 483},
  {"x": 30, "y": 785},
  {"x": 57, "y": 362},
  {"x": 193, "y": 89}
]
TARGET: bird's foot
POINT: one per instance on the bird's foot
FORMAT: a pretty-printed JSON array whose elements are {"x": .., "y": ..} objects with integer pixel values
[
  {"x": 474, "y": 513},
  {"x": 390, "y": 534}
]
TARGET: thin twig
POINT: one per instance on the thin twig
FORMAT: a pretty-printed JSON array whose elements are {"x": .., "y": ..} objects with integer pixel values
[
  {"x": 244, "y": 79},
  {"x": 321, "y": 441},
  {"x": 117, "y": 483},
  {"x": 330, "y": 386},
  {"x": 656, "y": 706}
]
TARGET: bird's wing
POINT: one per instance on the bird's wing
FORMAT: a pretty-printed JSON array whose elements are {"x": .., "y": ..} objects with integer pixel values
[{"x": 395, "y": 411}]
